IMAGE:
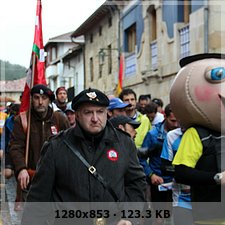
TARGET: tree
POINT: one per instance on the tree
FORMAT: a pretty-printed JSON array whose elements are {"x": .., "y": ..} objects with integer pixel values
[{"x": 10, "y": 71}]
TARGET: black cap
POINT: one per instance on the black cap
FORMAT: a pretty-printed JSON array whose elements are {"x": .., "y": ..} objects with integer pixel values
[
  {"x": 192, "y": 58},
  {"x": 92, "y": 96},
  {"x": 43, "y": 90},
  {"x": 116, "y": 121}
]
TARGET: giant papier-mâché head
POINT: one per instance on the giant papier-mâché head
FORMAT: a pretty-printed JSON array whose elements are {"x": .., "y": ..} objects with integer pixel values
[{"x": 197, "y": 95}]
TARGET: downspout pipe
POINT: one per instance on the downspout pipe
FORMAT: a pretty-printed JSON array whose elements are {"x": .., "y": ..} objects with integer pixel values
[
  {"x": 119, "y": 37},
  {"x": 206, "y": 26}
]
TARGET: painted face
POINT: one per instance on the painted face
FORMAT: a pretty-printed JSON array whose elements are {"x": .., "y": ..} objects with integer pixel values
[{"x": 198, "y": 94}]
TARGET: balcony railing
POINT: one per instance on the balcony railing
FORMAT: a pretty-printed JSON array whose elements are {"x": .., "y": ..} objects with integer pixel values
[
  {"x": 130, "y": 64},
  {"x": 184, "y": 41},
  {"x": 51, "y": 71}
]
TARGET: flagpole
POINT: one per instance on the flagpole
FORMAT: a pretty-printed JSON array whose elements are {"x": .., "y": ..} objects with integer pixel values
[
  {"x": 35, "y": 75},
  {"x": 29, "y": 112}
]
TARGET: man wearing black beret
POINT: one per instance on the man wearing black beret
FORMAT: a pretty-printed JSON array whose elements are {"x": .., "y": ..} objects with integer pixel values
[
  {"x": 43, "y": 124},
  {"x": 91, "y": 162}
]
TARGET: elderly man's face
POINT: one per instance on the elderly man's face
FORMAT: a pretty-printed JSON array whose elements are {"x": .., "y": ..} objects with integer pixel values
[
  {"x": 40, "y": 103},
  {"x": 92, "y": 118}
]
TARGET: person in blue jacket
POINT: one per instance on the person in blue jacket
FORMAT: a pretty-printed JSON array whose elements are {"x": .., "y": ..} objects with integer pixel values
[{"x": 153, "y": 141}]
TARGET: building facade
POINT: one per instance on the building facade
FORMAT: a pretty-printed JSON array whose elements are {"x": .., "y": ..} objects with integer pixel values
[
  {"x": 65, "y": 63},
  {"x": 153, "y": 36},
  {"x": 102, "y": 48}
]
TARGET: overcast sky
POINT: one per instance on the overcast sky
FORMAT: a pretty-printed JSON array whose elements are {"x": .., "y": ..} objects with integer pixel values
[{"x": 17, "y": 22}]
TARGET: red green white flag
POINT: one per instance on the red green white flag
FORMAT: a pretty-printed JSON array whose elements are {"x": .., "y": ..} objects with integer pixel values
[{"x": 39, "y": 65}]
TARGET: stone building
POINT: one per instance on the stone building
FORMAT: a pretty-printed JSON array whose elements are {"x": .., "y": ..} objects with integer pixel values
[{"x": 152, "y": 36}]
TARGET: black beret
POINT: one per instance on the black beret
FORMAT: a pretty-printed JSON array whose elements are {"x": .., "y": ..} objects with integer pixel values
[
  {"x": 43, "y": 90},
  {"x": 92, "y": 96},
  {"x": 192, "y": 58}
]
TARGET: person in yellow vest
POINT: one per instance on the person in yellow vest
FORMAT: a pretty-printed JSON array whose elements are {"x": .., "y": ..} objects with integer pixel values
[{"x": 129, "y": 96}]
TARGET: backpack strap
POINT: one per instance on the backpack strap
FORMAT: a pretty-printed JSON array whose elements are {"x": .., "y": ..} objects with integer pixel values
[
  {"x": 212, "y": 142},
  {"x": 207, "y": 135}
]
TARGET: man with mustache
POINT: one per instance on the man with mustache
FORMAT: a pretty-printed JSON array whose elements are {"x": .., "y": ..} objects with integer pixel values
[
  {"x": 43, "y": 124},
  {"x": 91, "y": 162}
]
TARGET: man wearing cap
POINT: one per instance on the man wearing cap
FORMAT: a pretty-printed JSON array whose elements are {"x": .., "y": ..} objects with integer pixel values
[
  {"x": 43, "y": 124},
  {"x": 70, "y": 113},
  {"x": 126, "y": 124},
  {"x": 61, "y": 99},
  {"x": 74, "y": 160},
  {"x": 117, "y": 107}
]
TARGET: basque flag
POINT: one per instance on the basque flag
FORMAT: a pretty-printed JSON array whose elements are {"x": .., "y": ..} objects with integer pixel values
[{"x": 36, "y": 72}]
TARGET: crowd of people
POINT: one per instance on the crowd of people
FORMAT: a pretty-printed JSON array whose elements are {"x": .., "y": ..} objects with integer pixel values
[{"x": 101, "y": 148}]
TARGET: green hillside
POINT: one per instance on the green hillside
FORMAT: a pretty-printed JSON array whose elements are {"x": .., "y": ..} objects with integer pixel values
[{"x": 10, "y": 71}]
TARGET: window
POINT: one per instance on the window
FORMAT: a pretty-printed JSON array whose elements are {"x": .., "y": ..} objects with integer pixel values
[
  {"x": 153, "y": 25},
  {"x": 131, "y": 38},
  {"x": 68, "y": 64},
  {"x": 184, "y": 42},
  {"x": 110, "y": 21},
  {"x": 100, "y": 31},
  {"x": 91, "y": 38},
  {"x": 100, "y": 70},
  {"x": 109, "y": 59},
  {"x": 152, "y": 22},
  {"x": 91, "y": 69},
  {"x": 53, "y": 53}
]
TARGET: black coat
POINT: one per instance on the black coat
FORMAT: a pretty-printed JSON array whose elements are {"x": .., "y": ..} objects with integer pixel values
[{"x": 62, "y": 177}]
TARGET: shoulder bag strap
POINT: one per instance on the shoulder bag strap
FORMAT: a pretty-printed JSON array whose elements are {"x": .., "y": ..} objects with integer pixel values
[{"x": 92, "y": 170}]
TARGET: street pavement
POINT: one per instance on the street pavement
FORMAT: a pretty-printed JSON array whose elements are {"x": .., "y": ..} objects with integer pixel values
[{"x": 8, "y": 195}]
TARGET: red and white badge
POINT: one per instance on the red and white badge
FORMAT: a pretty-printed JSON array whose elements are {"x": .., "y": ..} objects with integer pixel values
[
  {"x": 54, "y": 130},
  {"x": 112, "y": 155}
]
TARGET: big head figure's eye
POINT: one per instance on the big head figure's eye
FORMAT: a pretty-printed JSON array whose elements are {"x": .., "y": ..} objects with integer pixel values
[{"x": 215, "y": 75}]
